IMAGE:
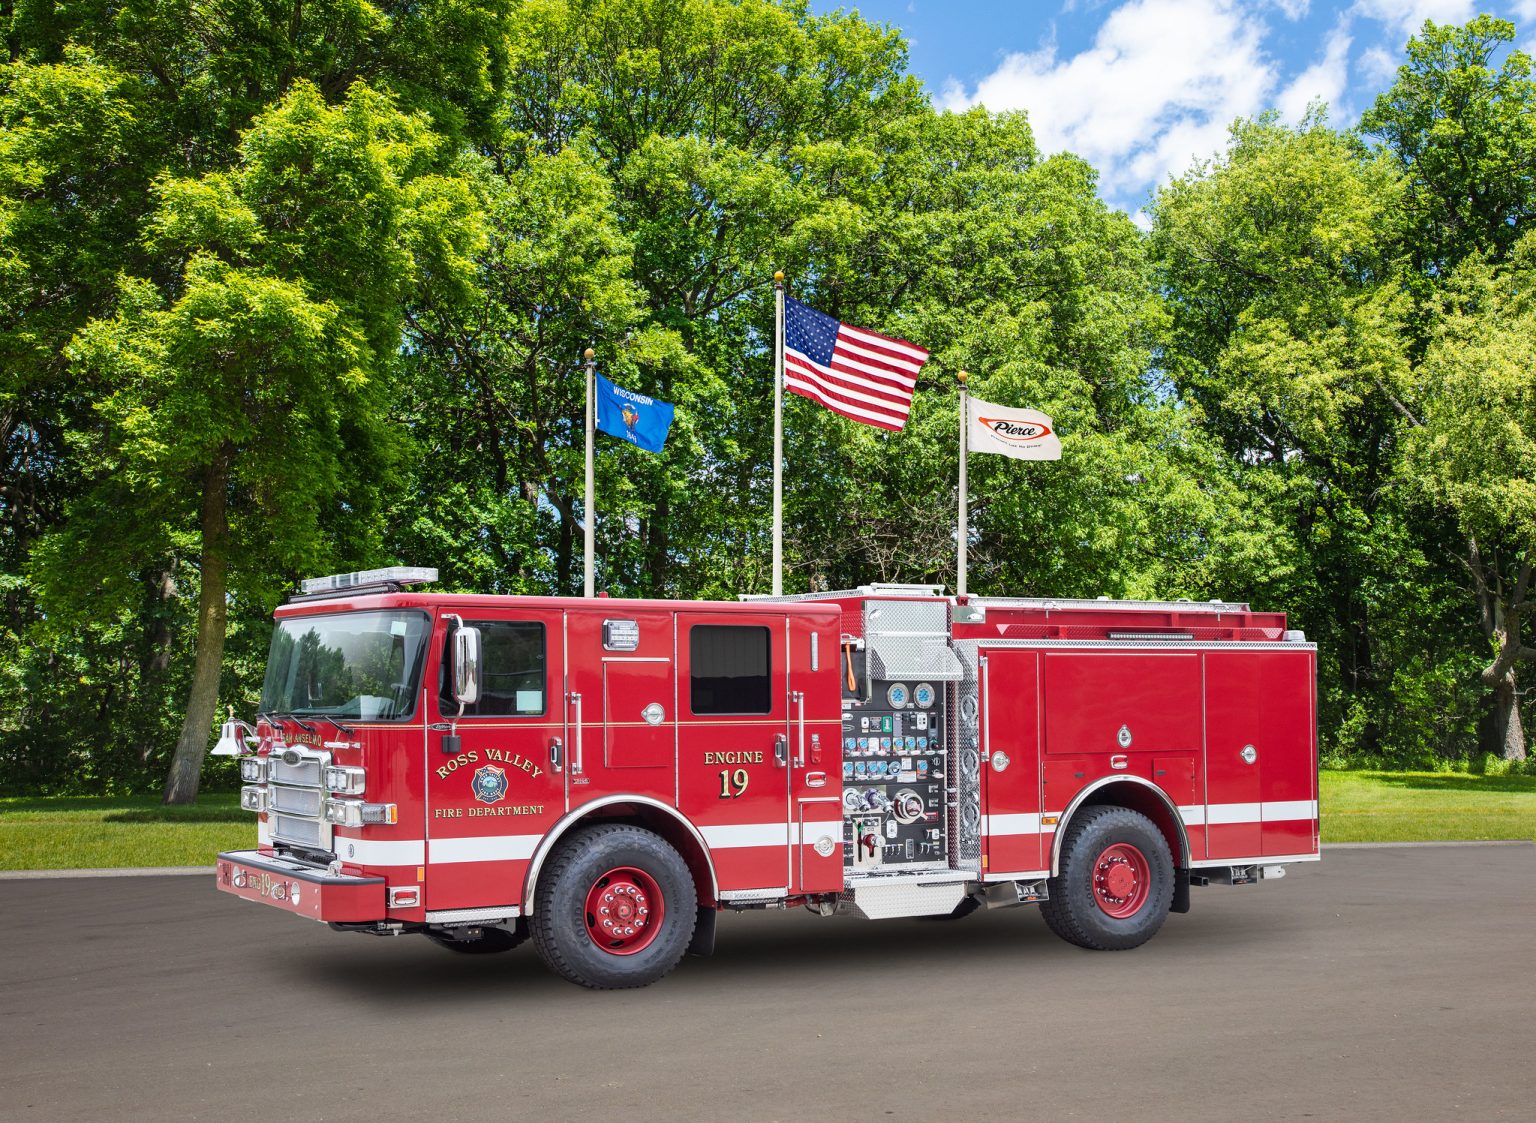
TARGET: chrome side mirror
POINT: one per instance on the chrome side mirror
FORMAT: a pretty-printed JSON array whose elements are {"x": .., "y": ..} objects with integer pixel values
[{"x": 466, "y": 666}]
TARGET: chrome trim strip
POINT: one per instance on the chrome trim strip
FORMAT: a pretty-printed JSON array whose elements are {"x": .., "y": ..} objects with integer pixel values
[
  {"x": 1282, "y": 859},
  {"x": 459, "y": 916}
]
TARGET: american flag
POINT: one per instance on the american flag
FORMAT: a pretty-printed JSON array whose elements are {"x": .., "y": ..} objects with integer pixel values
[{"x": 857, "y": 373}]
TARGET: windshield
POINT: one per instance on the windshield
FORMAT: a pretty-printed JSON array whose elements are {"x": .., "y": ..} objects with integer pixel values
[{"x": 363, "y": 665}]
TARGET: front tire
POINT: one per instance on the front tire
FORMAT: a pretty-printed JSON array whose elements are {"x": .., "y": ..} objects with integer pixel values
[
  {"x": 616, "y": 907},
  {"x": 1116, "y": 882}
]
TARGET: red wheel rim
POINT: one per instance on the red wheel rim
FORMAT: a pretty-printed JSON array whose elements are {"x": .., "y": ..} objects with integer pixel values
[
  {"x": 1121, "y": 880},
  {"x": 625, "y": 909}
]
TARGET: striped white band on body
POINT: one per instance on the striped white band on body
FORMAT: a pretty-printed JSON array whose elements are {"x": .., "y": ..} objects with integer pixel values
[
  {"x": 1194, "y": 815},
  {"x": 487, "y": 848},
  {"x": 734, "y": 835},
  {"x": 381, "y": 852}
]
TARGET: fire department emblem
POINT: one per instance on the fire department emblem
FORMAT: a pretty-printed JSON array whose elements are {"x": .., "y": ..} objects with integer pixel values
[{"x": 489, "y": 784}]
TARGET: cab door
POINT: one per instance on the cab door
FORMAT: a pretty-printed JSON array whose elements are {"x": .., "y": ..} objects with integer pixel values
[
  {"x": 496, "y": 776},
  {"x": 623, "y": 690},
  {"x": 734, "y": 743}
]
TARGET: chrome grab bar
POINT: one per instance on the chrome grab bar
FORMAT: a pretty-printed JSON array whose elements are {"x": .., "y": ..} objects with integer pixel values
[{"x": 576, "y": 758}]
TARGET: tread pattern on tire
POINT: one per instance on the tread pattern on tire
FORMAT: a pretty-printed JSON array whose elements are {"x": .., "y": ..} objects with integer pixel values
[
  {"x": 1071, "y": 911},
  {"x": 585, "y": 963}
]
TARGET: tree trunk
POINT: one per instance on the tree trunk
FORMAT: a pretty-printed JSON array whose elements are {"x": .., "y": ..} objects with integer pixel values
[
  {"x": 212, "y": 618},
  {"x": 1512, "y": 730}
]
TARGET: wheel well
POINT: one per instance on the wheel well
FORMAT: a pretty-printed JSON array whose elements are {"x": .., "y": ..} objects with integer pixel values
[
  {"x": 1136, "y": 797},
  {"x": 665, "y": 823}
]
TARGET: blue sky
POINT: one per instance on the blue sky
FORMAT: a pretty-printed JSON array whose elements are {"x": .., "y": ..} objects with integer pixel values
[{"x": 1141, "y": 88}]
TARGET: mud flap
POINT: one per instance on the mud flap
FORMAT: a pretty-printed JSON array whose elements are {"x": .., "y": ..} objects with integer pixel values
[
  {"x": 703, "y": 942},
  {"x": 1180, "y": 891}
]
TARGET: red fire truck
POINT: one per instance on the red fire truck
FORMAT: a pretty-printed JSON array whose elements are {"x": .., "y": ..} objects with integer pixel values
[{"x": 606, "y": 776}]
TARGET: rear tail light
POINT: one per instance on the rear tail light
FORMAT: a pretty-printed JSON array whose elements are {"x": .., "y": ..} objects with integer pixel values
[
  {"x": 253, "y": 799},
  {"x": 355, "y": 813},
  {"x": 344, "y": 780},
  {"x": 253, "y": 769}
]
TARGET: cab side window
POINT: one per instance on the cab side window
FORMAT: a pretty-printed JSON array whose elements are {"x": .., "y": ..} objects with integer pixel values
[
  {"x": 729, "y": 669},
  {"x": 514, "y": 672}
]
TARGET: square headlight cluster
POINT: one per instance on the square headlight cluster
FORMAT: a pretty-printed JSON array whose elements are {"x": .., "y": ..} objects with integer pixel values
[
  {"x": 253, "y": 769},
  {"x": 344, "y": 779},
  {"x": 253, "y": 799},
  {"x": 355, "y": 813}
]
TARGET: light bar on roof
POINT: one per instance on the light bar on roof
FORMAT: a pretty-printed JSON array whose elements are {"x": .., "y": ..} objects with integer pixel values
[{"x": 394, "y": 575}]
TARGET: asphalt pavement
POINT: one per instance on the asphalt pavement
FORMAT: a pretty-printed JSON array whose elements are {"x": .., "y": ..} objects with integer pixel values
[{"x": 1380, "y": 984}]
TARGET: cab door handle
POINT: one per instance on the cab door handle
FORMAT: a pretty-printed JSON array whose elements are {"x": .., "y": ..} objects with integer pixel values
[
  {"x": 780, "y": 750},
  {"x": 556, "y": 754}
]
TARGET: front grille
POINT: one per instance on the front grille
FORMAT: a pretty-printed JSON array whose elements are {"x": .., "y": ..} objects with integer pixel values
[
  {"x": 301, "y": 832},
  {"x": 307, "y": 802},
  {"x": 297, "y": 800},
  {"x": 306, "y": 773}
]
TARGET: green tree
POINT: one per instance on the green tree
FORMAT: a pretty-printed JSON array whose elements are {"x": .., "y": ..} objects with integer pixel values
[
  {"x": 247, "y": 395},
  {"x": 1473, "y": 450},
  {"x": 1280, "y": 262},
  {"x": 1465, "y": 133}
]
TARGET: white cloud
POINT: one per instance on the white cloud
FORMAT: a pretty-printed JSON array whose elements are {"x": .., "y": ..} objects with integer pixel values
[
  {"x": 1293, "y": 9},
  {"x": 1379, "y": 67},
  {"x": 1525, "y": 9},
  {"x": 1405, "y": 17},
  {"x": 1325, "y": 80},
  {"x": 1157, "y": 89}
]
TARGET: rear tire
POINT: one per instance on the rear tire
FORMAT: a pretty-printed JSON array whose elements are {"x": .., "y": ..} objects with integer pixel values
[
  {"x": 492, "y": 941},
  {"x": 616, "y": 908},
  {"x": 1116, "y": 882}
]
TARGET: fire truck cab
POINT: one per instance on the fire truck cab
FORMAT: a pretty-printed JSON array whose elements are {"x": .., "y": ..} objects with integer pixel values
[{"x": 605, "y": 776}]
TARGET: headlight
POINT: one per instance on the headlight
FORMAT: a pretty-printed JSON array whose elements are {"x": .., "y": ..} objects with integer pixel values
[
  {"x": 253, "y": 799},
  {"x": 253, "y": 769},
  {"x": 344, "y": 780},
  {"x": 355, "y": 813}
]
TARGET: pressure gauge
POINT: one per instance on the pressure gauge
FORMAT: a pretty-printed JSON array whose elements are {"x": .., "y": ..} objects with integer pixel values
[
  {"x": 922, "y": 694},
  {"x": 897, "y": 695}
]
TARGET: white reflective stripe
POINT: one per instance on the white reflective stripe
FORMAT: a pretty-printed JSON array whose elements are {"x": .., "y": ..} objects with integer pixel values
[
  {"x": 1286, "y": 810},
  {"x": 1224, "y": 814},
  {"x": 381, "y": 852},
  {"x": 1193, "y": 815},
  {"x": 491, "y": 848},
  {"x": 1010, "y": 824},
  {"x": 746, "y": 834}
]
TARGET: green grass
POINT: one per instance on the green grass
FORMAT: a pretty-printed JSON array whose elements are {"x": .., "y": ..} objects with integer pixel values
[
  {"x": 1426, "y": 807},
  {"x": 85, "y": 832}
]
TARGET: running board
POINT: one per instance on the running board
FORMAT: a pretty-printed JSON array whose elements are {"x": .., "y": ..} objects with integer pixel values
[{"x": 926, "y": 894}]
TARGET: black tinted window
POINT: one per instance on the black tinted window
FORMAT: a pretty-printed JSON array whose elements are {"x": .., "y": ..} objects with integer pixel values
[
  {"x": 729, "y": 669},
  {"x": 512, "y": 682}
]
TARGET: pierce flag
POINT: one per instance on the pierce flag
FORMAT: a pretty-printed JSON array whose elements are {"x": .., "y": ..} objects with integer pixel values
[
  {"x": 632, "y": 417},
  {"x": 860, "y": 374},
  {"x": 1024, "y": 434}
]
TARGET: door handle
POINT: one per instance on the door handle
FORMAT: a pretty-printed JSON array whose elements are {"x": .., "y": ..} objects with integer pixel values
[
  {"x": 780, "y": 749},
  {"x": 556, "y": 755},
  {"x": 799, "y": 699}
]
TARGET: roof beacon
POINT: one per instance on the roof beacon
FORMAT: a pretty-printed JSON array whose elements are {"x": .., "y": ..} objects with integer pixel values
[{"x": 369, "y": 578}]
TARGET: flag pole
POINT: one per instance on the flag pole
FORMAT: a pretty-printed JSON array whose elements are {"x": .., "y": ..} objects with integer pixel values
[
  {"x": 589, "y": 533},
  {"x": 778, "y": 434},
  {"x": 964, "y": 529}
]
